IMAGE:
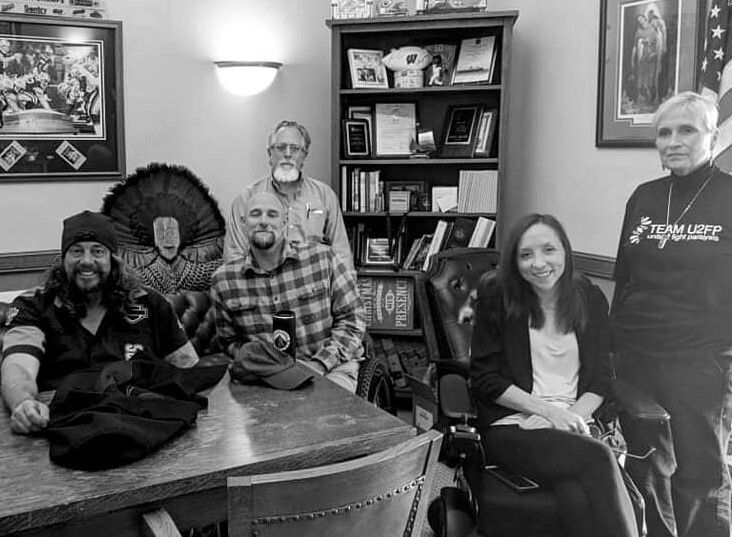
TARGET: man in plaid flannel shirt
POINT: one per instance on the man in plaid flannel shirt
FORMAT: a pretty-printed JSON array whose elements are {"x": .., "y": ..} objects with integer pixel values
[{"x": 309, "y": 279}]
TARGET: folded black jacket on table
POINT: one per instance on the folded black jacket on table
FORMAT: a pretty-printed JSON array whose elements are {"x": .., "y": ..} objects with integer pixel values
[{"x": 104, "y": 418}]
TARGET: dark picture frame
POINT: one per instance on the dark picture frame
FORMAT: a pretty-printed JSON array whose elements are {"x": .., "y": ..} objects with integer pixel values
[
  {"x": 65, "y": 117},
  {"x": 639, "y": 68},
  {"x": 459, "y": 133},
  {"x": 485, "y": 133},
  {"x": 356, "y": 138},
  {"x": 378, "y": 251}
]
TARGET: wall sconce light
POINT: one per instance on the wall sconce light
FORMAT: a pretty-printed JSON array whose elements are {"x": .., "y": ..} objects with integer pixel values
[{"x": 246, "y": 78}]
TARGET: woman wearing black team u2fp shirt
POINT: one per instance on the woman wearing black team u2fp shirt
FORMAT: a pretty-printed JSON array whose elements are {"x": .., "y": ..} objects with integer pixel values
[{"x": 672, "y": 320}]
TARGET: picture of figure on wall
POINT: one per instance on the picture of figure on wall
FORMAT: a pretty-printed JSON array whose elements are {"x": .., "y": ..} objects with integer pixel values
[
  {"x": 649, "y": 65},
  {"x": 50, "y": 87}
]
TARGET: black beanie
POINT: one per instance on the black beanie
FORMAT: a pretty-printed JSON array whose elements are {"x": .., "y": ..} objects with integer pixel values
[{"x": 88, "y": 226}]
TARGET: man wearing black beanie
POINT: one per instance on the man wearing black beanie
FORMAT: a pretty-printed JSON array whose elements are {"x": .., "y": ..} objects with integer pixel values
[{"x": 92, "y": 310}]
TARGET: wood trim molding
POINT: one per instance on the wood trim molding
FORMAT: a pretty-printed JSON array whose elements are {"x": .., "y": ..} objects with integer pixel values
[
  {"x": 599, "y": 266},
  {"x": 593, "y": 265},
  {"x": 27, "y": 261}
]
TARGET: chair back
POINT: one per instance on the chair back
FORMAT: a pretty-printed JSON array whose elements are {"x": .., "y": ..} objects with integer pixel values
[
  {"x": 446, "y": 293},
  {"x": 381, "y": 494}
]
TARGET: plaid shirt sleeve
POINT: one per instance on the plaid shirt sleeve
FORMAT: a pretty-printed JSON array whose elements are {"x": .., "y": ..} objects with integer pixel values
[
  {"x": 349, "y": 324},
  {"x": 225, "y": 328}
]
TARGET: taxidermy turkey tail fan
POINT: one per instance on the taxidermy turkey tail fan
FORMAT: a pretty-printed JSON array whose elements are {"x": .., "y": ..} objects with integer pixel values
[{"x": 165, "y": 213}]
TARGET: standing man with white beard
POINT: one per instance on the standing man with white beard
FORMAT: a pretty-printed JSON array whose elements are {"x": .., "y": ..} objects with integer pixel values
[{"x": 313, "y": 214}]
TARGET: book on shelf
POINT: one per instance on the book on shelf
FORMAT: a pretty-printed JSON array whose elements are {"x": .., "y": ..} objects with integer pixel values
[
  {"x": 460, "y": 233},
  {"x": 438, "y": 238},
  {"x": 395, "y": 364},
  {"x": 424, "y": 246},
  {"x": 361, "y": 191},
  {"x": 477, "y": 191},
  {"x": 388, "y": 301},
  {"x": 482, "y": 233},
  {"x": 412, "y": 254}
]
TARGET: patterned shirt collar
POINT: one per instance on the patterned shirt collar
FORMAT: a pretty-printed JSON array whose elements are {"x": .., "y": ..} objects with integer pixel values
[
  {"x": 277, "y": 188},
  {"x": 249, "y": 262}
]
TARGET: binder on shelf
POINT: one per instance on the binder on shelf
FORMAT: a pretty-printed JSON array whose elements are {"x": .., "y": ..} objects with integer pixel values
[
  {"x": 482, "y": 234},
  {"x": 438, "y": 239},
  {"x": 460, "y": 233}
]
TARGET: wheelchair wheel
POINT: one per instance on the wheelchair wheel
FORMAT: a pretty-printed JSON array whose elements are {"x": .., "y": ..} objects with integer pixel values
[
  {"x": 451, "y": 514},
  {"x": 436, "y": 516},
  {"x": 375, "y": 384}
]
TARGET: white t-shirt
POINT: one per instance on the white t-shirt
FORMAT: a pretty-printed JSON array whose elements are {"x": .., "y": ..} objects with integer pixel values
[{"x": 555, "y": 365}]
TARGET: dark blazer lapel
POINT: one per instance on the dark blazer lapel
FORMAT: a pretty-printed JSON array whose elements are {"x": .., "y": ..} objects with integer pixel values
[{"x": 518, "y": 352}]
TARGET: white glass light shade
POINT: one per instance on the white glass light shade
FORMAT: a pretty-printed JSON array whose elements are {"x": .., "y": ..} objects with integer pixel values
[{"x": 246, "y": 78}]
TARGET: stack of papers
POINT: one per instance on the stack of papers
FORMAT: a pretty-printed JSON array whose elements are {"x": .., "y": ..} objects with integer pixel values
[{"x": 478, "y": 191}]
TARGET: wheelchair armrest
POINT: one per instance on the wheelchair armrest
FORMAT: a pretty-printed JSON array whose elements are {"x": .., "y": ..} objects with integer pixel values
[
  {"x": 638, "y": 404},
  {"x": 454, "y": 397}
]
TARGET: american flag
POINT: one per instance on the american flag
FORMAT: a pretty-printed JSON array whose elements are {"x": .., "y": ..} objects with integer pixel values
[{"x": 715, "y": 75}]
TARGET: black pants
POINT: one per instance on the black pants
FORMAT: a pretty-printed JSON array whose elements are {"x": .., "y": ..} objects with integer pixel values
[
  {"x": 572, "y": 465},
  {"x": 686, "y": 484}
]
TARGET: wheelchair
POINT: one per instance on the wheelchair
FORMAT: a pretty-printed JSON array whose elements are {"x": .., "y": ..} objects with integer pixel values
[{"x": 478, "y": 500}]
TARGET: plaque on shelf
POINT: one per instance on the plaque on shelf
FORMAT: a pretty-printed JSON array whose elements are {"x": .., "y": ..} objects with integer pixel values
[
  {"x": 459, "y": 132},
  {"x": 356, "y": 138}
]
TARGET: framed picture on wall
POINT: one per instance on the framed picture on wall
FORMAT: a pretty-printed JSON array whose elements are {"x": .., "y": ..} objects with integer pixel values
[
  {"x": 649, "y": 50},
  {"x": 62, "y": 87}
]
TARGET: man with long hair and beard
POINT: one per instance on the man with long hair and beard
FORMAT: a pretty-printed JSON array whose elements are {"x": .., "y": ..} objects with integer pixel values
[
  {"x": 91, "y": 310},
  {"x": 313, "y": 214}
]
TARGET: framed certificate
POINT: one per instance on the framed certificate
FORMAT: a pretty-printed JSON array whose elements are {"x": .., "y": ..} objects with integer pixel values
[
  {"x": 395, "y": 129},
  {"x": 460, "y": 131},
  {"x": 484, "y": 135},
  {"x": 475, "y": 61}
]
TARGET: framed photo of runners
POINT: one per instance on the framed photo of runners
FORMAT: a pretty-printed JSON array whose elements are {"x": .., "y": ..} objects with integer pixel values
[
  {"x": 61, "y": 107},
  {"x": 649, "y": 51}
]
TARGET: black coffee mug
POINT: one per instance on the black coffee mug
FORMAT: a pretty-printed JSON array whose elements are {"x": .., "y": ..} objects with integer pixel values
[{"x": 283, "y": 331}]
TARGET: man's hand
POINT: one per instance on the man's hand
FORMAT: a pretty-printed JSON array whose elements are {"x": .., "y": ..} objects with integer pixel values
[{"x": 30, "y": 416}]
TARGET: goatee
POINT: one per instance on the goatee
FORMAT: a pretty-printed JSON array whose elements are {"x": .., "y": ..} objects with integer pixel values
[{"x": 286, "y": 175}]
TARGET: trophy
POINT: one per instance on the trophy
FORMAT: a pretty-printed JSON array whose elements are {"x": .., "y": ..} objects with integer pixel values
[{"x": 408, "y": 64}]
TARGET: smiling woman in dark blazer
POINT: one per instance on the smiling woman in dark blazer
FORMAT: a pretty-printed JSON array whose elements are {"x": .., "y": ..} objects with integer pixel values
[{"x": 539, "y": 369}]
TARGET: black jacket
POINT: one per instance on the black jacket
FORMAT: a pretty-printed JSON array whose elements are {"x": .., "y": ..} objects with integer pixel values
[{"x": 501, "y": 355}]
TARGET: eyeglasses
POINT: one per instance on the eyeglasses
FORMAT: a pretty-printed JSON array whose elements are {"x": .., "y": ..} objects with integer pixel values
[{"x": 294, "y": 148}]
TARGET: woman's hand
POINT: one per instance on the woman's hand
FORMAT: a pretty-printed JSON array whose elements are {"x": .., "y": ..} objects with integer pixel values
[{"x": 566, "y": 420}]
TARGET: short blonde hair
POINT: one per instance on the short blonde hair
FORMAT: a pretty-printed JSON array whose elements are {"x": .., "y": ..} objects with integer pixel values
[{"x": 704, "y": 107}]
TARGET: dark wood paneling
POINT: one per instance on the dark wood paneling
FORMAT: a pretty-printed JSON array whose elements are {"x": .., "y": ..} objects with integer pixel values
[
  {"x": 599, "y": 266},
  {"x": 27, "y": 261}
]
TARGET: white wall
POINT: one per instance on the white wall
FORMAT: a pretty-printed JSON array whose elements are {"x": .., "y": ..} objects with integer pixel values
[
  {"x": 176, "y": 112},
  {"x": 553, "y": 164}
]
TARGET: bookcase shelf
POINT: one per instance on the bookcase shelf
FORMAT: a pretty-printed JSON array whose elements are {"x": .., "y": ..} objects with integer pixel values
[
  {"x": 472, "y": 161},
  {"x": 433, "y": 106},
  {"x": 416, "y": 214},
  {"x": 462, "y": 88}
]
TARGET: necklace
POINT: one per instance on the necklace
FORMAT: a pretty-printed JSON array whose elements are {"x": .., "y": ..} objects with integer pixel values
[{"x": 663, "y": 240}]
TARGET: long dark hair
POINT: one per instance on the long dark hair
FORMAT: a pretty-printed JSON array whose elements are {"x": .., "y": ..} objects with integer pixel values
[
  {"x": 118, "y": 291},
  {"x": 519, "y": 297}
]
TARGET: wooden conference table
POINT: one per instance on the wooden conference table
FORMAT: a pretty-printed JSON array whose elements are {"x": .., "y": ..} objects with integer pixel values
[{"x": 246, "y": 430}]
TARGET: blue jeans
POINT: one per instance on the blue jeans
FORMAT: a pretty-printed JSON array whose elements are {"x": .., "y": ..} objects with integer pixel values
[{"x": 686, "y": 483}]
